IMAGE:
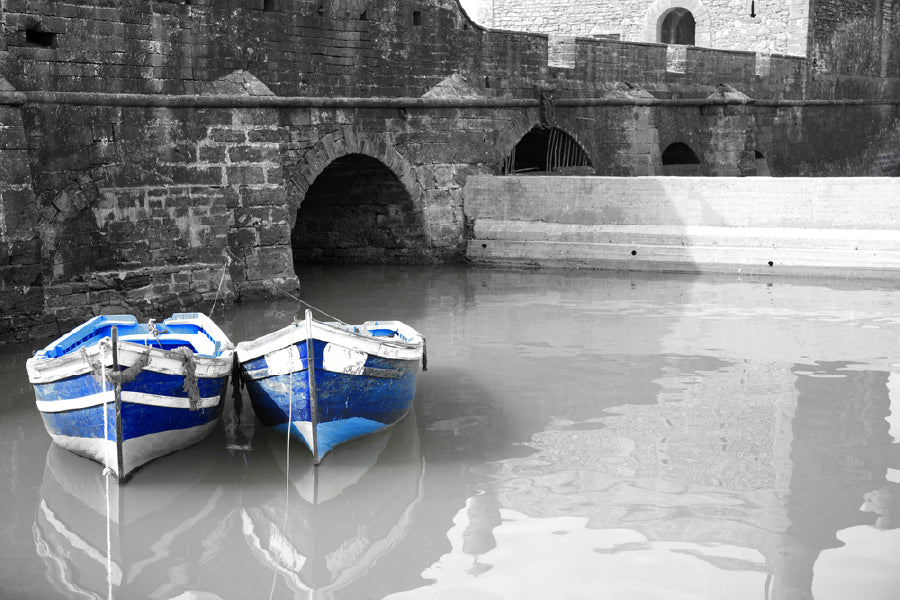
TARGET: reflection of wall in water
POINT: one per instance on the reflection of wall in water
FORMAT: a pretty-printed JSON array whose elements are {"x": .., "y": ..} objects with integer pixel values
[
  {"x": 840, "y": 413},
  {"x": 752, "y": 454}
]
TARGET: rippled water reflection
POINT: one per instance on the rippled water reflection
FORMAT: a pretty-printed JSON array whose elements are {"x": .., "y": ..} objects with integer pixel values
[{"x": 577, "y": 435}]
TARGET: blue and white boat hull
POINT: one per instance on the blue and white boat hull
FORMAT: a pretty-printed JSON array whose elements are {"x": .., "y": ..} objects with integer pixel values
[
  {"x": 170, "y": 396},
  {"x": 363, "y": 379}
]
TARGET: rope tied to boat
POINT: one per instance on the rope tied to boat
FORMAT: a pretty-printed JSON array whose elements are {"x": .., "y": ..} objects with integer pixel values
[
  {"x": 129, "y": 374},
  {"x": 101, "y": 375},
  {"x": 190, "y": 377},
  {"x": 154, "y": 331},
  {"x": 97, "y": 370}
]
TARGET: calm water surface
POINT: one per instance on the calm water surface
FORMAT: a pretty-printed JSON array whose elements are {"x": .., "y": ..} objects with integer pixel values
[{"x": 576, "y": 435}]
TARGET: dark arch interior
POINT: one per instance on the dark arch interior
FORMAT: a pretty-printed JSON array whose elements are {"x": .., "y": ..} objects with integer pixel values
[
  {"x": 679, "y": 159},
  {"x": 678, "y": 27},
  {"x": 548, "y": 150},
  {"x": 357, "y": 211},
  {"x": 762, "y": 165},
  {"x": 679, "y": 154}
]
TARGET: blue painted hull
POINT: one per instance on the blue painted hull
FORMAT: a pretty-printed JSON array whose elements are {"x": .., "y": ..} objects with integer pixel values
[
  {"x": 170, "y": 393},
  {"x": 354, "y": 395}
]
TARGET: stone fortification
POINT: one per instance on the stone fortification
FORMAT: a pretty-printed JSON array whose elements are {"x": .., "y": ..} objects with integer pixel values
[
  {"x": 165, "y": 156},
  {"x": 723, "y": 24},
  {"x": 848, "y": 37}
]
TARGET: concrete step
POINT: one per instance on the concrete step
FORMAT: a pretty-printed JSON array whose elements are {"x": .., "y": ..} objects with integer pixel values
[
  {"x": 690, "y": 258},
  {"x": 854, "y": 240}
]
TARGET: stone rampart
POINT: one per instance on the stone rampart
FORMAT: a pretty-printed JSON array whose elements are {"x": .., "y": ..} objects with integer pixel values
[
  {"x": 156, "y": 156},
  {"x": 777, "y": 226}
]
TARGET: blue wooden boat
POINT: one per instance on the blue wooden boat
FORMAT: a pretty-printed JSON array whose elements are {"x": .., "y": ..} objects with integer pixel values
[
  {"x": 124, "y": 393},
  {"x": 327, "y": 383}
]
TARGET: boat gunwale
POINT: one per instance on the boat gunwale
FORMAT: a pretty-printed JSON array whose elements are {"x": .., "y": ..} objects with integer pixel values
[
  {"x": 382, "y": 347},
  {"x": 167, "y": 362}
]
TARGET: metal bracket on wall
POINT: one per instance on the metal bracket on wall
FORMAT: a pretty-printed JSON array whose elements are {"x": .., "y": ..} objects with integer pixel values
[{"x": 547, "y": 108}]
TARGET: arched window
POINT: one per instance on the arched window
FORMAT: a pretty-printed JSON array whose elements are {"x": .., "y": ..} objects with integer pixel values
[{"x": 677, "y": 27}]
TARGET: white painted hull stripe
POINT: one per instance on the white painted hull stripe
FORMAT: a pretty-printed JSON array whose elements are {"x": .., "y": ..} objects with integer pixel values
[{"x": 52, "y": 406}]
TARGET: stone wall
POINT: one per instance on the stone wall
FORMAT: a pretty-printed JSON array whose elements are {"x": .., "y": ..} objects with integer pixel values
[
  {"x": 846, "y": 37},
  {"x": 21, "y": 278},
  {"x": 861, "y": 38},
  {"x": 158, "y": 156},
  {"x": 724, "y": 24},
  {"x": 774, "y": 226}
]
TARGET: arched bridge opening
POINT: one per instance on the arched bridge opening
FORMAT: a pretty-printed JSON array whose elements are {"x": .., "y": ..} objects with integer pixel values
[
  {"x": 545, "y": 150},
  {"x": 679, "y": 159},
  {"x": 358, "y": 211}
]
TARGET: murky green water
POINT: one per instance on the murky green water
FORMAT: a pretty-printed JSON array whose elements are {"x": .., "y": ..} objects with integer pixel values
[{"x": 577, "y": 435}]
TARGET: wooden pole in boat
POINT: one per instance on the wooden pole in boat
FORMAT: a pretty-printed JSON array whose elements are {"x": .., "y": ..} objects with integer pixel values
[
  {"x": 118, "y": 394},
  {"x": 311, "y": 370}
]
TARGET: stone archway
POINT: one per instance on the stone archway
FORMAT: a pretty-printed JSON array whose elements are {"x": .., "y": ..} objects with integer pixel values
[
  {"x": 344, "y": 141},
  {"x": 679, "y": 159},
  {"x": 577, "y": 161},
  {"x": 547, "y": 149},
  {"x": 659, "y": 9},
  {"x": 358, "y": 211},
  {"x": 354, "y": 198}
]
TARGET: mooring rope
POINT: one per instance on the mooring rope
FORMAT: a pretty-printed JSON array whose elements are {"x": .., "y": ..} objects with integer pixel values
[
  {"x": 307, "y": 304},
  {"x": 190, "y": 385},
  {"x": 221, "y": 281},
  {"x": 98, "y": 371},
  {"x": 107, "y": 472},
  {"x": 287, "y": 446},
  {"x": 190, "y": 376},
  {"x": 154, "y": 331},
  {"x": 287, "y": 465},
  {"x": 129, "y": 374}
]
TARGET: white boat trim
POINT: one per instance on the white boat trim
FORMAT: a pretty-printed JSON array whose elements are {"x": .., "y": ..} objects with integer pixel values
[
  {"x": 333, "y": 334},
  {"x": 165, "y": 362},
  {"x": 55, "y": 406}
]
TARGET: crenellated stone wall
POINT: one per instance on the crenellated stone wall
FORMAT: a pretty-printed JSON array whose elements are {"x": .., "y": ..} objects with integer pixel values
[
  {"x": 844, "y": 37},
  {"x": 171, "y": 156},
  {"x": 722, "y": 24}
]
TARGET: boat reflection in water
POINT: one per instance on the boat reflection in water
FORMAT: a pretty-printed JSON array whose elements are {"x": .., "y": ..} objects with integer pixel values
[
  {"x": 155, "y": 538},
  {"x": 324, "y": 529}
]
